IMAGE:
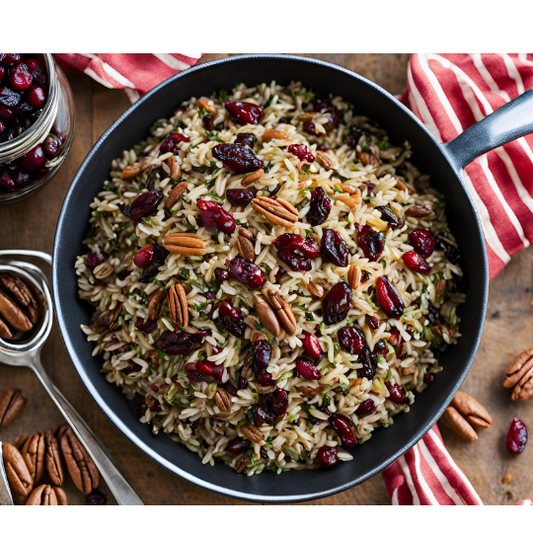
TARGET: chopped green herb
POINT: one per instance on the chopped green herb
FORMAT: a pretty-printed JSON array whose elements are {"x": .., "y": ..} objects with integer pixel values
[
  {"x": 212, "y": 136},
  {"x": 202, "y": 112}
]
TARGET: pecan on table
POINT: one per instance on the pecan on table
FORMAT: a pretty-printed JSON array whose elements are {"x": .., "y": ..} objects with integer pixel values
[
  {"x": 465, "y": 416},
  {"x": 519, "y": 376}
]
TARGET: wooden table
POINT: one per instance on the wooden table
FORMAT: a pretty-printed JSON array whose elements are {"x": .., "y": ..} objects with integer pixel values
[{"x": 31, "y": 224}]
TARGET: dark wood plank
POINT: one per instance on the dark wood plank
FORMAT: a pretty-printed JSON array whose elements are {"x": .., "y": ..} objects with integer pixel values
[{"x": 31, "y": 224}]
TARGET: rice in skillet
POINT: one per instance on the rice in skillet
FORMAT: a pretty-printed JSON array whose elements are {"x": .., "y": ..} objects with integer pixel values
[{"x": 265, "y": 278}]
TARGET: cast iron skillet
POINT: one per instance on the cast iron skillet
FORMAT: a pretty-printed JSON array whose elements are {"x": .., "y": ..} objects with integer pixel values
[{"x": 444, "y": 163}]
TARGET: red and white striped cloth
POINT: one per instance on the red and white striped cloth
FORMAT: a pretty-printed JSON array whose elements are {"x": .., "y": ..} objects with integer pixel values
[
  {"x": 136, "y": 74},
  {"x": 450, "y": 93}
]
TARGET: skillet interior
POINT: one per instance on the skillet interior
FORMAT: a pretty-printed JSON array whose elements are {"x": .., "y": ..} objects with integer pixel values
[{"x": 386, "y": 444}]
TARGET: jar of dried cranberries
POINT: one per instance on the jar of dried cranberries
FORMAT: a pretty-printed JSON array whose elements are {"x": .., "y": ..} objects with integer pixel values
[{"x": 36, "y": 123}]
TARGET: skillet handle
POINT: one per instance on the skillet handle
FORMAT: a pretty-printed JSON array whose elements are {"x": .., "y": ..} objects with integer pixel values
[{"x": 509, "y": 122}]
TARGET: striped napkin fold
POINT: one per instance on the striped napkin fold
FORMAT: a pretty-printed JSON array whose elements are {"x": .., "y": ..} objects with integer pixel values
[{"x": 449, "y": 93}]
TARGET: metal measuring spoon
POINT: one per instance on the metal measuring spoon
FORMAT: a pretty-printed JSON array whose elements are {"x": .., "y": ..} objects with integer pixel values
[{"x": 27, "y": 352}]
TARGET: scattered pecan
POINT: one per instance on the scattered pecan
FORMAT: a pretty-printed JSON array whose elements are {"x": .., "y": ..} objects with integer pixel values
[
  {"x": 254, "y": 176},
  {"x": 179, "y": 306},
  {"x": 241, "y": 464},
  {"x": 156, "y": 303},
  {"x": 184, "y": 244},
  {"x": 309, "y": 392},
  {"x": 107, "y": 319},
  {"x": 404, "y": 186},
  {"x": 440, "y": 288},
  {"x": 268, "y": 135},
  {"x": 246, "y": 248},
  {"x": 174, "y": 167},
  {"x": 315, "y": 289},
  {"x": 13, "y": 314},
  {"x": 52, "y": 459},
  {"x": 256, "y": 337},
  {"x": 18, "y": 288},
  {"x": 17, "y": 473},
  {"x": 252, "y": 432},
  {"x": 176, "y": 193},
  {"x": 276, "y": 211},
  {"x": 267, "y": 316},
  {"x": 465, "y": 415},
  {"x": 43, "y": 495},
  {"x": 61, "y": 496},
  {"x": 519, "y": 376},
  {"x": 368, "y": 158},
  {"x": 418, "y": 211},
  {"x": 223, "y": 400},
  {"x": 103, "y": 270},
  {"x": 401, "y": 350},
  {"x": 131, "y": 171},
  {"x": 246, "y": 233},
  {"x": 325, "y": 160},
  {"x": 208, "y": 105},
  {"x": 283, "y": 310},
  {"x": 11, "y": 402},
  {"x": 354, "y": 277},
  {"x": 33, "y": 452}
]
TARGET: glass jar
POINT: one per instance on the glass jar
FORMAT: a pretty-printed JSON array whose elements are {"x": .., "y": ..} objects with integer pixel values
[{"x": 56, "y": 122}]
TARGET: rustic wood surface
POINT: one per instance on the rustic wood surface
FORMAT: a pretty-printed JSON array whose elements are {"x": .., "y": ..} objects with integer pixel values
[{"x": 31, "y": 224}]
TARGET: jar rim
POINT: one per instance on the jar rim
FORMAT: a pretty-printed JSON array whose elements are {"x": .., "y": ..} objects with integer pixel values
[{"x": 37, "y": 132}]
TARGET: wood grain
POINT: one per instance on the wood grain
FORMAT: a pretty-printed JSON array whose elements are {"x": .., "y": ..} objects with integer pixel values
[{"x": 31, "y": 224}]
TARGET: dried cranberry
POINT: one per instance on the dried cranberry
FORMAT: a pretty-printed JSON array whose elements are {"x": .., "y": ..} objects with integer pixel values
[
  {"x": 38, "y": 71},
  {"x": 307, "y": 369},
  {"x": 239, "y": 197},
  {"x": 429, "y": 378},
  {"x": 170, "y": 144},
  {"x": 51, "y": 146},
  {"x": 2, "y": 73},
  {"x": 372, "y": 321},
  {"x": 295, "y": 261},
  {"x": 229, "y": 319},
  {"x": 295, "y": 242},
  {"x": 144, "y": 257},
  {"x": 265, "y": 378},
  {"x": 153, "y": 404},
  {"x": 247, "y": 139},
  {"x": 10, "y": 60},
  {"x": 94, "y": 259},
  {"x": 396, "y": 392},
  {"x": 388, "y": 215},
  {"x": 221, "y": 274},
  {"x": 416, "y": 262},
  {"x": 6, "y": 181},
  {"x": 192, "y": 373},
  {"x": 311, "y": 346},
  {"x": 327, "y": 455},
  {"x": 263, "y": 416},
  {"x": 263, "y": 354},
  {"x": 20, "y": 77},
  {"x": 381, "y": 347},
  {"x": 366, "y": 408},
  {"x": 451, "y": 251},
  {"x": 9, "y": 97},
  {"x": 237, "y": 157},
  {"x": 336, "y": 304},
  {"x": 390, "y": 300},
  {"x": 160, "y": 254},
  {"x": 351, "y": 339},
  {"x": 341, "y": 424},
  {"x": 36, "y": 96},
  {"x": 33, "y": 159},
  {"x": 333, "y": 249},
  {"x": 370, "y": 241},
  {"x": 213, "y": 216},
  {"x": 369, "y": 361},
  {"x": 301, "y": 152},
  {"x": 244, "y": 112},
  {"x": 175, "y": 343},
  {"x": 207, "y": 368},
  {"x": 422, "y": 241},
  {"x": 279, "y": 274},
  {"x": 143, "y": 206},
  {"x": 319, "y": 207},
  {"x": 517, "y": 436},
  {"x": 370, "y": 188},
  {"x": 21, "y": 179},
  {"x": 247, "y": 273},
  {"x": 145, "y": 327},
  {"x": 6, "y": 113},
  {"x": 237, "y": 446},
  {"x": 277, "y": 401},
  {"x": 133, "y": 367},
  {"x": 394, "y": 338},
  {"x": 96, "y": 497}
]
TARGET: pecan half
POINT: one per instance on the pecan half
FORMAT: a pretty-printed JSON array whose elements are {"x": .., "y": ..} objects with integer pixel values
[
  {"x": 52, "y": 459},
  {"x": 11, "y": 402},
  {"x": 276, "y": 211},
  {"x": 267, "y": 315},
  {"x": 325, "y": 160},
  {"x": 223, "y": 400},
  {"x": 5, "y": 332},
  {"x": 354, "y": 277},
  {"x": 519, "y": 376},
  {"x": 17, "y": 472},
  {"x": 131, "y": 171},
  {"x": 465, "y": 415},
  {"x": 246, "y": 233},
  {"x": 156, "y": 303},
  {"x": 440, "y": 288},
  {"x": 80, "y": 466},
  {"x": 18, "y": 288},
  {"x": 241, "y": 464},
  {"x": 43, "y": 495},
  {"x": 33, "y": 452},
  {"x": 208, "y": 105},
  {"x": 252, "y": 432},
  {"x": 283, "y": 310},
  {"x": 246, "y": 248},
  {"x": 368, "y": 158},
  {"x": 418, "y": 211},
  {"x": 106, "y": 319},
  {"x": 176, "y": 193},
  {"x": 309, "y": 392},
  {"x": 179, "y": 306},
  {"x": 268, "y": 135},
  {"x": 13, "y": 314},
  {"x": 174, "y": 167},
  {"x": 254, "y": 176},
  {"x": 103, "y": 270},
  {"x": 315, "y": 289},
  {"x": 184, "y": 244},
  {"x": 61, "y": 496}
]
